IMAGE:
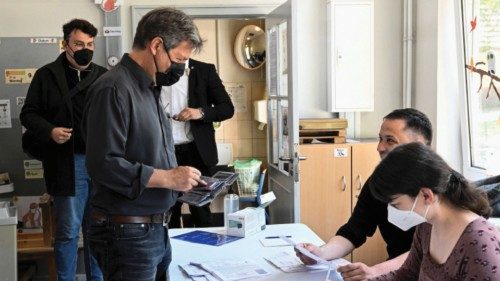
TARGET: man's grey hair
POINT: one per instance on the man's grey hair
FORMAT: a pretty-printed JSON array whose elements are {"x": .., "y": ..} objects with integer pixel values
[{"x": 172, "y": 25}]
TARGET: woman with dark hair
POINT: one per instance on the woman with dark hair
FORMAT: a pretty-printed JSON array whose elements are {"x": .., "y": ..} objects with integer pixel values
[{"x": 456, "y": 243}]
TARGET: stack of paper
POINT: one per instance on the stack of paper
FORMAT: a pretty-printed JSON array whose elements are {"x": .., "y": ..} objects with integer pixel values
[
  {"x": 228, "y": 270},
  {"x": 287, "y": 262}
]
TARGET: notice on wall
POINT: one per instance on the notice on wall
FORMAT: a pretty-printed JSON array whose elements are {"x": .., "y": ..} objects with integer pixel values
[
  {"x": 43, "y": 40},
  {"x": 33, "y": 174},
  {"x": 5, "y": 119},
  {"x": 238, "y": 94},
  {"x": 32, "y": 164},
  {"x": 20, "y": 101},
  {"x": 112, "y": 30},
  {"x": 19, "y": 76}
]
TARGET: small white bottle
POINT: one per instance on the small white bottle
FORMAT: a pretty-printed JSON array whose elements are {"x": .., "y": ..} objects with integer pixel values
[{"x": 231, "y": 205}]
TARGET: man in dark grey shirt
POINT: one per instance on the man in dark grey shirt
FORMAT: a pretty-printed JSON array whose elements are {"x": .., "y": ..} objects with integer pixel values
[{"x": 131, "y": 157}]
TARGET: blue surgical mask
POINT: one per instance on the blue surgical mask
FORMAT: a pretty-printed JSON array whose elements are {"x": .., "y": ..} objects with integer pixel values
[{"x": 405, "y": 219}]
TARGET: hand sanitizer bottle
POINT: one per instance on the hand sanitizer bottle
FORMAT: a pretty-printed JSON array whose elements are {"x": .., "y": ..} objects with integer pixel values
[{"x": 231, "y": 205}]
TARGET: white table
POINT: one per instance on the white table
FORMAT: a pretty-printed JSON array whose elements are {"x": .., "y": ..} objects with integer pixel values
[
  {"x": 245, "y": 248},
  {"x": 496, "y": 222}
]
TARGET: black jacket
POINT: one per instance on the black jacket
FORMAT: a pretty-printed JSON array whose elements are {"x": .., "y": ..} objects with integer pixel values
[
  {"x": 47, "y": 89},
  {"x": 206, "y": 91}
]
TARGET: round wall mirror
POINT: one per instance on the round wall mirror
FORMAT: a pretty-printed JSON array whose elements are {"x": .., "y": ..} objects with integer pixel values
[{"x": 250, "y": 47}]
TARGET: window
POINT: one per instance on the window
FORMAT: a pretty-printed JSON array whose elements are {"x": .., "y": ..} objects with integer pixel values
[{"x": 481, "y": 39}]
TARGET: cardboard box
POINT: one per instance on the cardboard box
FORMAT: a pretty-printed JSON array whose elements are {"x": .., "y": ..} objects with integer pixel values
[
  {"x": 250, "y": 220},
  {"x": 246, "y": 222}
]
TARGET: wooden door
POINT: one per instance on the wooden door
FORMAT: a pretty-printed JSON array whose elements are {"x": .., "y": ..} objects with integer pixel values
[
  {"x": 325, "y": 187},
  {"x": 364, "y": 160}
]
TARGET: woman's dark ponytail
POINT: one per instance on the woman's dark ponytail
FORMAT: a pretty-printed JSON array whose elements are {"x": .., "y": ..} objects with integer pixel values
[{"x": 462, "y": 194}]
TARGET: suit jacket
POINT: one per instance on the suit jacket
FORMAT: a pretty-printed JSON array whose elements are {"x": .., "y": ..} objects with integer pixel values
[
  {"x": 48, "y": 88},
  {"x": 205, "y": 90}
]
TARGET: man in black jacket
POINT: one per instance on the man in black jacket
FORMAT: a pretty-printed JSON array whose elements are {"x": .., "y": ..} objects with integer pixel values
[
  {"x": 54, "y": 116},
  {"x": 196, "y": 101}
]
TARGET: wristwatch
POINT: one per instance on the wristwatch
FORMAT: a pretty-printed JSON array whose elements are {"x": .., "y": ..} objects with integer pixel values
[{"x": 202, "y": 112}]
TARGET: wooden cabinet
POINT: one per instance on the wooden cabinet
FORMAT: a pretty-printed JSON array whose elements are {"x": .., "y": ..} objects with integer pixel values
[
  {"x": 325, "y": 188},
  {"x": 364, "y": 160},
  {"x": 330, "y": 181}
]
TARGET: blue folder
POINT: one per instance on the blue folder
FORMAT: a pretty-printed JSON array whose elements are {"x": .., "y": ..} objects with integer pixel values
[{"x": 207, "y": 238}]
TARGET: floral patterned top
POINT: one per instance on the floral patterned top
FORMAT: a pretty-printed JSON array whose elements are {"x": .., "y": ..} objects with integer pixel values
[{"x": 475, "y": 257}]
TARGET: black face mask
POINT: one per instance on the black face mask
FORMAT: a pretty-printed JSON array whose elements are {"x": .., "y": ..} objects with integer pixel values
[
  {"x": 172, "y": 75},
  {"x": 82, "y": 57}
]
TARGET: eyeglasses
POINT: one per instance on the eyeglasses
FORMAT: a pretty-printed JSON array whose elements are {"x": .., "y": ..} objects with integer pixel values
[{"x": 81, "y": 45}]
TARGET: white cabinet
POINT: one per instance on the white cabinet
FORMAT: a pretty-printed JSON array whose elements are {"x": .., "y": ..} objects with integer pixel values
[{"x": 350, "y": 55}]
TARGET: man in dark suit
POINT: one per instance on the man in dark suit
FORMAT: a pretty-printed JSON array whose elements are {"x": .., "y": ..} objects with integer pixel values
[
  {"x": 193, "y": 103},
  {"x": 53, "y": 111}
]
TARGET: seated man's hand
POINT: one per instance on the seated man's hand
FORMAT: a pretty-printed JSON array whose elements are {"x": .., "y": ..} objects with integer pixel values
[
  {"x": 356, "y": 272},
  {"x": 311, "y": 248}
]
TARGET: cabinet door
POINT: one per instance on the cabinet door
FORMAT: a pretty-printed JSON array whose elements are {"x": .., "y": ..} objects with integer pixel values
[
  {"x": 364, "y": 160},
  {"x": 350, "y": 55},
  {"x": 325, "y": 187}
]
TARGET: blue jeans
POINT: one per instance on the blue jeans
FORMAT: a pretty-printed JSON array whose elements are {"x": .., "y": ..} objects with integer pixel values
[
  {"x": 70, "y": 213},
  {"x": 131, "y": 251}
]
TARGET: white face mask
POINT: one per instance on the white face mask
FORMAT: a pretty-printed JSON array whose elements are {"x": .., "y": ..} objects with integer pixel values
[{"x": 405, "y": 219}]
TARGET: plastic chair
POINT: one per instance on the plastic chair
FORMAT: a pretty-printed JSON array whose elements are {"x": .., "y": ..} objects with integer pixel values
[{"x": 256, "y": 199}]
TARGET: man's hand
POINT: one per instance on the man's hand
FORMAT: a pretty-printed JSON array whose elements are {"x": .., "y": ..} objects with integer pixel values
[
  {"x": 61, "y": 135},
  {"x": 188, "y": 114},
  {"x": 311, "y": 248},
  {"x": 356, "y": 272},
  {"x": 183, "y": 178}
]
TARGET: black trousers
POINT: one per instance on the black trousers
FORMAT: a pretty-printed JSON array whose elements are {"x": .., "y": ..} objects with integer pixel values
[{"x": 188, "y": 155}]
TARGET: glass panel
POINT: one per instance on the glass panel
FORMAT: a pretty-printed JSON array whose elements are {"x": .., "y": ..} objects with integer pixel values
[
  {"x": 272, "y": 61},
  {"x": 286, "y": 127},
  {"x": 482, "y": 44},
  {"x": 283, "y": 59},
  {"x": 273, "y": 153}
]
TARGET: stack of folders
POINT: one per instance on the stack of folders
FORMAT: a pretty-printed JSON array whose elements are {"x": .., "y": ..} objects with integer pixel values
[
  {"x": 202, "y": 195},
  {"x": 225, "y": 270}
]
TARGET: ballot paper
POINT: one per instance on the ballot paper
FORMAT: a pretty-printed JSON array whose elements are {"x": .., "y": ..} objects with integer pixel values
[
  {"x": 287, "y": 262},
  {"x": 230, "y": 270},
  {"x": 303, "y": 250}
]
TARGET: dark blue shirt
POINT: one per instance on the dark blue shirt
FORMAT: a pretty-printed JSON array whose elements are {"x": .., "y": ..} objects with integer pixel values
[{"x": 128, "y": 136}]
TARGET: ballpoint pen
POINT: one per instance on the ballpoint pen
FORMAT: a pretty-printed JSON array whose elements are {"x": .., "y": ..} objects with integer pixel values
[{"x": 276, "y": 237}]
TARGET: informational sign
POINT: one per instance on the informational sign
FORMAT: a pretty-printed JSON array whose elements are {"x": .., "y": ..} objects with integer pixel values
[
  {"x": 20, "y": 101},
  {"x": 32, "y": 164},
  {"x": 43, "y": 40},
  {"x": 5, "y": 119},
  {"x": 33, "y": 174},
  {"x": 341, "y": 152},
  {"x": 238, "y": 94},
  {"x": 112, "y": 30},
  {"x": 19, "y": 75}
]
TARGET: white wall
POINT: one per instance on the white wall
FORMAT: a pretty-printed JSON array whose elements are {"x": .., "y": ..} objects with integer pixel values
[
  {"x": 45, "y": 18},
  {"x": 436, "y": 80},
  {"x": 388, "y": 64}
]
